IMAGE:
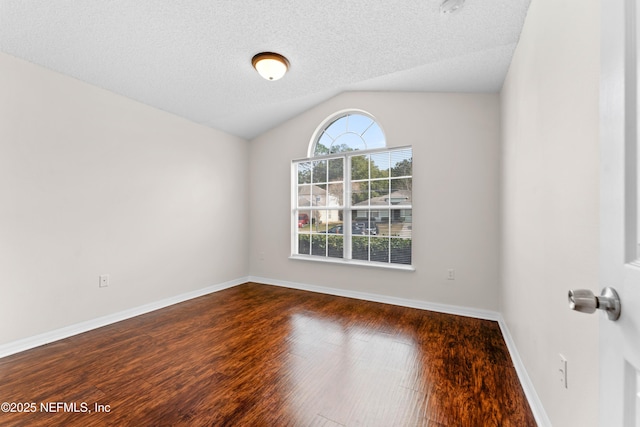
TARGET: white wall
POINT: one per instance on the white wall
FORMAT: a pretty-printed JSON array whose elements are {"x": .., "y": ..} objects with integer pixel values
[
  {"x": 550, "y": 202},
  {"x": 456, "y": 145},
  {"x": 92, "y": 183}
]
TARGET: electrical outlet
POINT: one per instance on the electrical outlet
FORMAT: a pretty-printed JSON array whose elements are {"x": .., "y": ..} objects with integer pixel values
[
  {"x": 104, "y": 281},
  {"x": 562, "y": 370},
  {"x": 451, "y": 274}
]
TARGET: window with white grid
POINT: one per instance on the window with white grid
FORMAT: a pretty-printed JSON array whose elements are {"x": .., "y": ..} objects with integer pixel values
[{"x": 352, "y": 199}]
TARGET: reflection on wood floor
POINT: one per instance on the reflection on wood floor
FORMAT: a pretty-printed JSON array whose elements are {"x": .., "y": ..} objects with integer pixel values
[{"x": 257, "y": 355}]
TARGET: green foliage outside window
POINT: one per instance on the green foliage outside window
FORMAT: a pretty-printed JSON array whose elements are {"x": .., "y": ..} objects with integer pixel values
[{"x": 362, "y": 247}]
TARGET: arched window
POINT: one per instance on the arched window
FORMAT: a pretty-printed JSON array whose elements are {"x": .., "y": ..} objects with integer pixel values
[
  {"x": 353, "y": 195},
  {"x": 347, "y": 131}
]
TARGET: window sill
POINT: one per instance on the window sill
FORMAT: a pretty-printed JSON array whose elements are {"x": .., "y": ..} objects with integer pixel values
[{"x": 354, "y": 262}]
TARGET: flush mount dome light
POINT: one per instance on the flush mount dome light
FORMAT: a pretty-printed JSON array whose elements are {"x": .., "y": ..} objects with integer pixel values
[
  {"x": 271, "y": 66},
  {"x": 450, "y": 6}
]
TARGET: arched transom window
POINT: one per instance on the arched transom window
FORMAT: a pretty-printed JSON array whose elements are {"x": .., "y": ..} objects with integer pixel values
[
  {"x": 351, "y": 131},
  {"x": 353, "y": 196}
]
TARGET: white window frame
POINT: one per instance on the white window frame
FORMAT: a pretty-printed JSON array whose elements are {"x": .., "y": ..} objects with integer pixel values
[
  {"x": 346, "y": 206},
  {"x": 315, "y": 138}
]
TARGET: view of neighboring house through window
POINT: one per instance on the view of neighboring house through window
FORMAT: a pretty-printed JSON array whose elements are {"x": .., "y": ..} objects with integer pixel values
[{"x": 353, "y": 196}]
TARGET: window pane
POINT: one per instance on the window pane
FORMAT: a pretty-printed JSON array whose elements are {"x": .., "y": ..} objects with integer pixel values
[
  {"x": 304, "y": 221},
  {"x": 304, "y": 244},
  {"x": 401, "y": 251},
  {"x": 397, "y": 228},
  {"x": 360, "y": 193},
  {"x": 336, "y": 170},
  {"x": 380, "y": 192},
  {"x": 379, "y": 249},
  {"x": 304, "y": 195},
  {"x": 327, "y": 221},
  {"x": 380, "y": 165},
  {"x": 359, "y": 167},
  {"x": 374, "y": 137},
  {"x": 320, "y": 171},
  {"x": 336, "y": 229},
  {"x": 365, "y": 221},
  {"x": 335, "y": 196},
  {"x": 402, "y": 186},
  {"x": 359, "y": 123},
  {"x": 407, "y": 215},
  {"x": 332, "y": 217},
  {"x": 401, "y": 163},
  {"x": 319, "y": 195},
  {"x": 318, "y": 221},
  {"x": 360, "y": 215},
  {"x": 360, "y": 248},
  {"x": 319, "y": 244},
  {"x": 401, "y": 225},
  {"x": 335, "y": 246},
  {"x": 348, "y": 142},
  {"x": 304, "y": 172},
  {"x": 384, "y": 224},
  {"x": 337, "y": 127},
  {"x": 323, "y": 145}
]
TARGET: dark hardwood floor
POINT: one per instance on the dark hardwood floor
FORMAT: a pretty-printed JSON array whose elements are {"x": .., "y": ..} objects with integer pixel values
[{"x": 257, "y": 355}]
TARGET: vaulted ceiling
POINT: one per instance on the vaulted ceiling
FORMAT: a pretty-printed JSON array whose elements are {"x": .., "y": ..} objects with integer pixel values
[{"x": 193, "y": 58}]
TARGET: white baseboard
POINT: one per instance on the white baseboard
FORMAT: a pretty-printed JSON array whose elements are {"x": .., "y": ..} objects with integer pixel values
[
  {"x": 58, "y": 334},
  {"x": 532, "y": 397},
  {"x": 78, "y": 328},
  {"x": 365, "y": 296},
  {"x": 527, "y": 385}
]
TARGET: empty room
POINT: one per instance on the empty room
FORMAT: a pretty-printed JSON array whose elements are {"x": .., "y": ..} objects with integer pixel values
[{"x": 208, "y": 214}]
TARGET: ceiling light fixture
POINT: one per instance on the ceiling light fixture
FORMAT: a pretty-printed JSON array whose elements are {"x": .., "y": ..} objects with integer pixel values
[
  {"x": 450, "y": 6},
  {"x": 271, "y": 66}
]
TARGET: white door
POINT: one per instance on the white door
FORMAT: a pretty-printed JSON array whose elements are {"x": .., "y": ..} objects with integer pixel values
[{"x": 620, "y": 213}]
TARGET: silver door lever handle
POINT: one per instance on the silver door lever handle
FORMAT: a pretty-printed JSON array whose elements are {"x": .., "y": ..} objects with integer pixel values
[{"x": 585, "y": 301}]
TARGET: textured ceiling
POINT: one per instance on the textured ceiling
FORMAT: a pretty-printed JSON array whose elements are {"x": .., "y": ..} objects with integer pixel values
[{"x": 193, "y": 58}]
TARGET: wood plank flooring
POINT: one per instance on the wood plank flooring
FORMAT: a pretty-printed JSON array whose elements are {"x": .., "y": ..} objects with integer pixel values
[{"x": 257, "y": 355}]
